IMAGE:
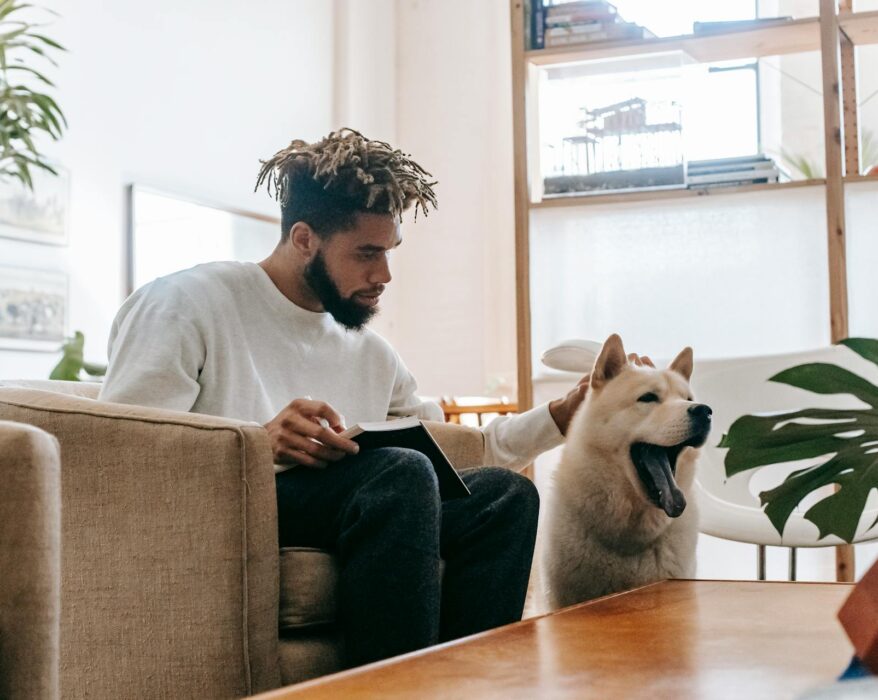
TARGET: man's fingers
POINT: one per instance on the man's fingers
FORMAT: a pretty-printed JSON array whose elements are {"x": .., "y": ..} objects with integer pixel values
[
  {"x": 312, "y": 447},
  {"x": 319, "y": 409},
  {"x": 306, "y": 460},
  {"x": 648, "y": 361},
  {"x": 634, "y": 358},
  {"x": 328, "y": 436}
]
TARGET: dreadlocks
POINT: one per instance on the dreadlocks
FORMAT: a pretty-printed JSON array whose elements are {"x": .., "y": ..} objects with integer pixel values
[{"x": 325, "y": 184}]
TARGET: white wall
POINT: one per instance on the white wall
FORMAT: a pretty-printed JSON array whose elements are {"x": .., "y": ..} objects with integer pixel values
[
  {"x": 186, "y": 97},
  {"x": 454, "y": 289}
]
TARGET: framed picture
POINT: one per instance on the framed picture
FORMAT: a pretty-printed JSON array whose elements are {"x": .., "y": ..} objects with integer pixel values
[
  {"x": 167, "y": 233},
  {"x": 38, "y": 216},
  {"x": 33, "y": 309}
]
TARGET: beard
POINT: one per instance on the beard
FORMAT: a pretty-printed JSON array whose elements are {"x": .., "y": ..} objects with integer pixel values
[{"x": 346, "y": 311}]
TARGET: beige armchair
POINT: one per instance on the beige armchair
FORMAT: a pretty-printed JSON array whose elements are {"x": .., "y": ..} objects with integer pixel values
[
  {"x": 172, "y": 584},
  {"x": 30, "y": 562}
]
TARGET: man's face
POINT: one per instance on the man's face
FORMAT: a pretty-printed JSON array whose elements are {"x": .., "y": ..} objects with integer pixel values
[{"x": 351, "y": 269}]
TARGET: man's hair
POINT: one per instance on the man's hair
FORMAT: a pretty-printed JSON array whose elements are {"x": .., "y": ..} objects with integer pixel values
[{"x": 326, "y": 184}]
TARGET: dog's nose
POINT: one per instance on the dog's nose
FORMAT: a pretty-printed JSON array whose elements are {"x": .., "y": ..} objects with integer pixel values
[{"x": 700, "y": 411}]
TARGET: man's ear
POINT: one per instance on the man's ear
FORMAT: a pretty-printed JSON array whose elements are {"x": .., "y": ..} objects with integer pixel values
[
  {"x": 304, "y": 240},
  {"x": 610, "y": 362},
  {"x": 683, "y": 363}
]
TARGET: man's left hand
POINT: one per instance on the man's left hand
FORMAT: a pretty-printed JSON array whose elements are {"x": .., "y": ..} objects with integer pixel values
[{"x": 562, "y": 410}]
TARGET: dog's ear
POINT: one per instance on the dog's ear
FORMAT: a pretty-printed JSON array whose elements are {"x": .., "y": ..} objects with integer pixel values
[
  {"x": 682, "y": 363},
  {"x": 610, "y": 362}
]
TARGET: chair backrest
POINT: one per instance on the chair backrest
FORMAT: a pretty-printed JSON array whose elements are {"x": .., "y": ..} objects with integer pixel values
[
  {"x": 730, "y": 508},
  {"x": 477, "y": 409},
  {"x": 87, "y": 390}
]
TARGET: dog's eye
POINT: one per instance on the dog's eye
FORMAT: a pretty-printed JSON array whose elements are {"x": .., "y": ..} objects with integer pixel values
[{"x": 649, "y": 397}]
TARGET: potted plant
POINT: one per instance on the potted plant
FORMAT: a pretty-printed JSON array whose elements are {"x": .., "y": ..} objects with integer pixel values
[{"x": 26, "y": 112}]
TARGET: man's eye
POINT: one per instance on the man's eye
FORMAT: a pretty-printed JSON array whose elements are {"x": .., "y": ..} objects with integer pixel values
[{"x": 649, "y": 397}]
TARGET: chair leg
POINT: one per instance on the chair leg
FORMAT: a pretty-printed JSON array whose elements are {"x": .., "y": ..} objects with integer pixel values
[
  {"x": 792, "y": 564},
  {"x": 760, "y": 562}
]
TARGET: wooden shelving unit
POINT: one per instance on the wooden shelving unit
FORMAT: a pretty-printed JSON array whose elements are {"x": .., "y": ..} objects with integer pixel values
[
  {"x": 833, "y": 33},
  {"x": 769, "y": 39},
  {"x": 675, "y": 193}
]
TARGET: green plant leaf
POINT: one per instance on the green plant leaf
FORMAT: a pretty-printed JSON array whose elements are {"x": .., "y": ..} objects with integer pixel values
[
  {"x": 866, "y": 348},
  {"x": 823, "y": 378},
  {"x": 845, "y": 441}
]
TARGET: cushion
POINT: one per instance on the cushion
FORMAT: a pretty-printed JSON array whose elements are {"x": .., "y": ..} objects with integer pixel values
[{"x": 308, "y": 579}]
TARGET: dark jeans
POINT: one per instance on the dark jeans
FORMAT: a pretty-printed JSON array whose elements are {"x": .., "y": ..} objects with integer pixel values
[{"x": 380, "y": 513}]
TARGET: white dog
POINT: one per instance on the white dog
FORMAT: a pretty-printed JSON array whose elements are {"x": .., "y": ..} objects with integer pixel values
[{"x": 617, "y": 515}]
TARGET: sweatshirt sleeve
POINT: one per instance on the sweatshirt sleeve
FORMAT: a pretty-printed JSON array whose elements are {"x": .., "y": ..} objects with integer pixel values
[
  {"x": 156, "y": 352},
  {"x": 514, "y": 441},
  {"x": 405, "y": 401},
  {"x": 510, "y": 441}
]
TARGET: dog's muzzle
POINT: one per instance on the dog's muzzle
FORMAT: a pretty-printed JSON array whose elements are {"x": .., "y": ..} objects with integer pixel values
[{"x": 657, "y": 465}]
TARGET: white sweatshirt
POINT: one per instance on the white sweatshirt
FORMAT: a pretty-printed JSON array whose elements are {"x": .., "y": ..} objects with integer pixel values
[{"x": 221, "y": 339}]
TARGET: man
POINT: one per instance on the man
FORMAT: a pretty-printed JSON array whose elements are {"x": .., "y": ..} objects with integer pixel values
[{"x": 257, "y": 342}]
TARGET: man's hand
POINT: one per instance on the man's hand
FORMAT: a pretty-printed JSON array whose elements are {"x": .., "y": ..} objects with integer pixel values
[
  {"x": 562, "y": 410},
  {"x": 306, "y": 433}
]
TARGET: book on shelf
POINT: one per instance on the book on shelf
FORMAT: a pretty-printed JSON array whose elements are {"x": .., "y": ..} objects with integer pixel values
[
  {"x": 736, "y": 24},
  {"x": 614, "y": 32},
  {"x": 412, "y": 434},
  {"x": 732, "y": 171}
]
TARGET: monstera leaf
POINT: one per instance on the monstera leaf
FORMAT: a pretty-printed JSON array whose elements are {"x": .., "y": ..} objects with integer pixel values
[{"x": 847, "y": 440}]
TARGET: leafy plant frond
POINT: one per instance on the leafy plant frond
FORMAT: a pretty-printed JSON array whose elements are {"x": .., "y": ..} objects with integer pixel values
[
  {"x": 26, "y": 114},
  {"x": 844, "y": 441}
]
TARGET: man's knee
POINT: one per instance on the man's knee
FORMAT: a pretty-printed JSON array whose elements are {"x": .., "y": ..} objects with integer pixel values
[
  {"x": 405, "y": 474},
  {"x": 511, "y": 491}
]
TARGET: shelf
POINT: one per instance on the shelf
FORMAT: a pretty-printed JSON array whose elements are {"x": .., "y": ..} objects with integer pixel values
[
  {"x": 860, "y": 27},
  {"x": 652, "y": 195},
  {"x": 770, "y": 39}
]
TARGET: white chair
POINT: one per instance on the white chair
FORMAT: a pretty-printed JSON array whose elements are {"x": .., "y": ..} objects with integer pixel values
[{"x": 729, "y": 507}]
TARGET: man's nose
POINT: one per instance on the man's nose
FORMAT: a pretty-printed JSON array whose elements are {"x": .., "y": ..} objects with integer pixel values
[{"x": 381, "y": 274}]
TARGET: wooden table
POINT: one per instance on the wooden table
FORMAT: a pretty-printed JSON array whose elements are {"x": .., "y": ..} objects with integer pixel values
[{"x": 675, "y": 639}]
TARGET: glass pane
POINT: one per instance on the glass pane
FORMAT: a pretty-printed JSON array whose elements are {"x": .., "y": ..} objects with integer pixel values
[
  {"x": 867, "y": 101},
  {"x": 169, "y": 234},
  {"x": 676, "y": 17},
  {"x": 791, "y": 114},
  {"x": 731, "y": 275},
  {"x": 861, "y": 202}
]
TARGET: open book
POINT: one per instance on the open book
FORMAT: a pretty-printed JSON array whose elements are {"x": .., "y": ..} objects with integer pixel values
[{"x": 410, "y": 433}]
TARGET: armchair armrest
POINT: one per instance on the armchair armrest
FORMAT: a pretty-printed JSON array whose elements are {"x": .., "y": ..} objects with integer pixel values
[
  {"x": 169, "y": 548},
  {"x": 464, "y": 446}
]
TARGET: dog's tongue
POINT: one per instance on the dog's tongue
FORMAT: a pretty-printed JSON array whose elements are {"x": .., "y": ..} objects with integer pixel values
[{"x": 655, "y": 460}]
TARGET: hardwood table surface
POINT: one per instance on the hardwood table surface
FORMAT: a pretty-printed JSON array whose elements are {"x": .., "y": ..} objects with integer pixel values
[{"x": 673, "y": 639}]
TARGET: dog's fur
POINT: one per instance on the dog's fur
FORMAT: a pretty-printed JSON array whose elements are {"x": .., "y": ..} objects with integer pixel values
[{"x": 605, "y": 531}]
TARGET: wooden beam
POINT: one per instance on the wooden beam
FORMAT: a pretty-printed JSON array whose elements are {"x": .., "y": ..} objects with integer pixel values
[
  {"x": 832, "y": 129},
  {"x": 522, "y": 215},
  {"x": 849, "y": 98}
]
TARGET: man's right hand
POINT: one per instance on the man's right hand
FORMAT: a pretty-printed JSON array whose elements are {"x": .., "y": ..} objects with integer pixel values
[{"x": 298, "y": 436}]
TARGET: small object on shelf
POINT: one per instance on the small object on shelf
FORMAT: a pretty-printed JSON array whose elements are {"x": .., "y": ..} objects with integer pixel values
[
  {"x": 737, "y": 24},
  {"x": 630, "y": 144},
  {"x": 573, "y": 23},
  {"x": 745, "y": 170}
]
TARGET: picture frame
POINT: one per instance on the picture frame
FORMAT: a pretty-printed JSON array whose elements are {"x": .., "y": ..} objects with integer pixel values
[
  {"x": 168, "y": 233},
  {"x": 39, "y": 215},
  {"x": 34, "y": 308}
]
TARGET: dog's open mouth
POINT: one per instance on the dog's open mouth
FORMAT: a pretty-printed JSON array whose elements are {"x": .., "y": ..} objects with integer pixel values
[{"x": 657, "y": 467}]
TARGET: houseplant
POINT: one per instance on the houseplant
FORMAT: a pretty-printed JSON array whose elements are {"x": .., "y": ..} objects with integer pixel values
[
  {"x": 844, "y": 440},
  {"x": 26, "y": 112}
]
